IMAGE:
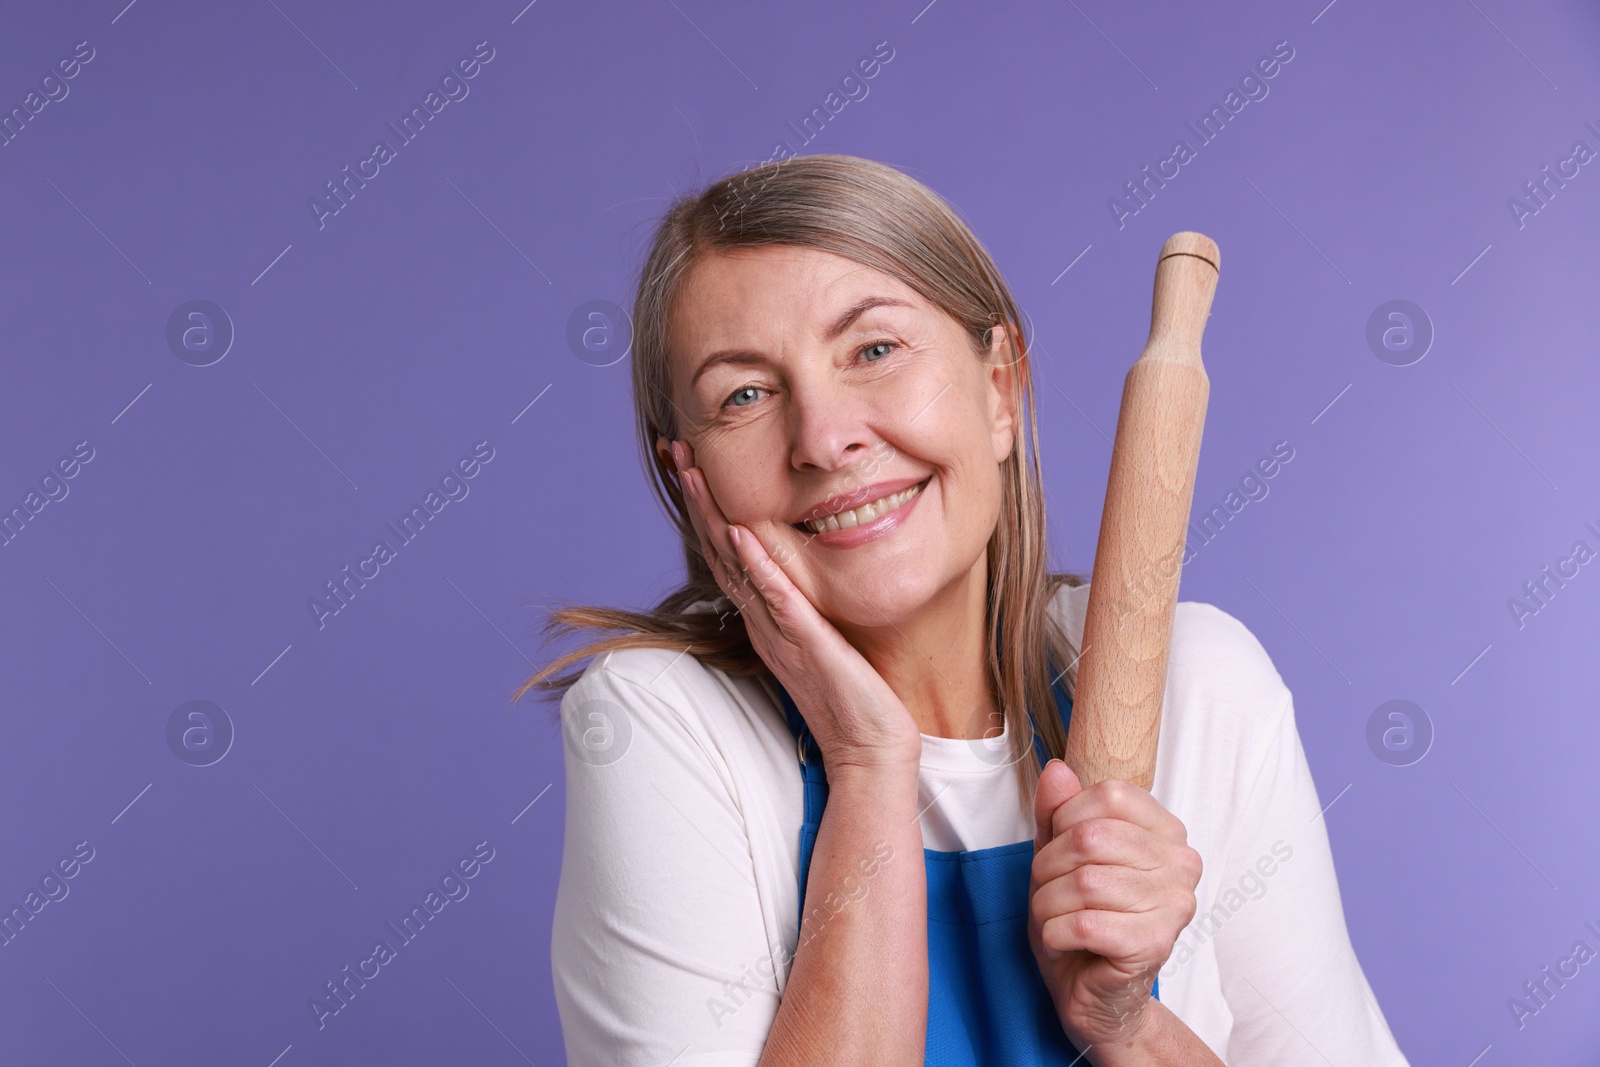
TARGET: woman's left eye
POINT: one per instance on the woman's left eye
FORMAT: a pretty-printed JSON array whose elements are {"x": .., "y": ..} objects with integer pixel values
[{"x": 878, "y": 344}]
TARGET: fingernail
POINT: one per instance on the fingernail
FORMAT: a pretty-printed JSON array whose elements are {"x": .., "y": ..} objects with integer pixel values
[
  {"x": 677, "y": 457},
  {"x": 733, "y": 532}
]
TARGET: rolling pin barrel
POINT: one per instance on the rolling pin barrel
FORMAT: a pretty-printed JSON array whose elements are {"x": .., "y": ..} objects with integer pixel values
[{"x": 1133, "y": 593}]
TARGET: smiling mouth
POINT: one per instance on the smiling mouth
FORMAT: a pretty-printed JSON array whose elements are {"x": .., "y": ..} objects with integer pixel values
[{"x": 862, "y": 515}]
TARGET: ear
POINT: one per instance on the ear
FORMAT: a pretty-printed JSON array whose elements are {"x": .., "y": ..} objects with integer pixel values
[
  {"x": 1001, "y": 368},
  {"x": 664, "y": 451}
]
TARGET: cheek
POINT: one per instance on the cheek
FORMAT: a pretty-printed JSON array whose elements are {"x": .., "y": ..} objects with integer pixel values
[
  {"x": 973, "y": 493},
  {"x": 945, "y": 430},
  {"x": 920, "y": 383},
  {"x": 933, "y": 399},
  {"x": 745, "y": 490},
  {"x": 732, "y": 491}
]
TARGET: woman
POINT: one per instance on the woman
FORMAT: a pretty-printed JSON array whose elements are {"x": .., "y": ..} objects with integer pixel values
[{"x": 806, "y": 815}]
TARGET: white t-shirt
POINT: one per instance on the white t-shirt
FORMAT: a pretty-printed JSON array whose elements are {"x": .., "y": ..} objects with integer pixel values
[{"x": 676, "y": 916}]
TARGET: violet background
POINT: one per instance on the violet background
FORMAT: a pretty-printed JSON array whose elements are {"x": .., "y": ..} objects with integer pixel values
[{"x": 428, "y": 314}]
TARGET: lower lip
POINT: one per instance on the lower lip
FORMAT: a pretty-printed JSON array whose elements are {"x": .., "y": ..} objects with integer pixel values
[{"x": 882, "y": 526}]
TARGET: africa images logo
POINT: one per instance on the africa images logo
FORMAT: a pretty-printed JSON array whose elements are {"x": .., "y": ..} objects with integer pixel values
[{"x": 452, "y": 886}]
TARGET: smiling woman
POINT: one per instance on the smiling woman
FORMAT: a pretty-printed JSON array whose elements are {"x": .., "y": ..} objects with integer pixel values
[{"x": 834, "y": 401}]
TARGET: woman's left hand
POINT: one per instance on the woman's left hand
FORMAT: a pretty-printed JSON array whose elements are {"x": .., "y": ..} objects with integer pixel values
[{"x": 1112, "y": 887}]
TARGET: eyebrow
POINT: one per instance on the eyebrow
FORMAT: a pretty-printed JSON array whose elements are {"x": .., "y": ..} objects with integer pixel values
[{"x": 748, "y": 357}]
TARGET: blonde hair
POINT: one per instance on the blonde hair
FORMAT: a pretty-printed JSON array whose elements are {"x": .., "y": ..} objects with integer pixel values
[{"x": 878, "y": 216}]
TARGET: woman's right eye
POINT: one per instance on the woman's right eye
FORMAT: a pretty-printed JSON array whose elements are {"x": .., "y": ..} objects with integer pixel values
[{"x": 734, "y": 397}]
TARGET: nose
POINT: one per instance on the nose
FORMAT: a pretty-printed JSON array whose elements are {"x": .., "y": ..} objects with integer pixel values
[{"x": 831, "y": 426}]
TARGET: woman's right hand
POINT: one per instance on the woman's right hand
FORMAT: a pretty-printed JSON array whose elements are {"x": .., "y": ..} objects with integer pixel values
[{"x": 856, "y": 718}]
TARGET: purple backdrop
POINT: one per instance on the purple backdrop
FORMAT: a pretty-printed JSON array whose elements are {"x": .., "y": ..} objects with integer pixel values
[{"x": 218, "y": 398}]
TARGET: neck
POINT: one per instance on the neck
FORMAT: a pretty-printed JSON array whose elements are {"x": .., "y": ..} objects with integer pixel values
[{"x": 937, "y": 661}]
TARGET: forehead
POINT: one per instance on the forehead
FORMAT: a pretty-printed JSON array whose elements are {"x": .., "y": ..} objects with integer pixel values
[{"x": 739, "y": 297}]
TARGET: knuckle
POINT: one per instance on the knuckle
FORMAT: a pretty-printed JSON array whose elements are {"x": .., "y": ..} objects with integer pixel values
[
  {"x": 1121, "y": 794},
  {"x": 1084, "y": 926},
  {"x": 1090, "y": 836},
  {"x": 1092, "y": 878},
  {"x": 1192, "y": 864}
]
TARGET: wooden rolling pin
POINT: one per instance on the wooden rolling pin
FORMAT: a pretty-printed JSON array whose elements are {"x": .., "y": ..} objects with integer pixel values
[{"x": 1133, "y": 592}]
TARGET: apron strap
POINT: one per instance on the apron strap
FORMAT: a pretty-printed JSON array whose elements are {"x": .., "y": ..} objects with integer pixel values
[
  {"x": 816, "y": 786},
  {"x": 816, "y": 782}
]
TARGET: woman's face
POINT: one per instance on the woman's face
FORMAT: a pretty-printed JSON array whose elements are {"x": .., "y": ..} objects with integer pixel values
[{"x": 808, "y": 384}]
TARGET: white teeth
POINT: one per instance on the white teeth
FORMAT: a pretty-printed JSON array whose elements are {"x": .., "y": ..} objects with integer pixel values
[{"x": 864, "y": 514}]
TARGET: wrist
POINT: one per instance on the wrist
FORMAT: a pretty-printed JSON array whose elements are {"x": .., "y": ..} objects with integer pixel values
[
  {"x": 1153, "y": 1036},
  {"x": 1126, "y": 1046},
  {"x": 881, "y": 774},
  {"x": 883, "y": 764}
]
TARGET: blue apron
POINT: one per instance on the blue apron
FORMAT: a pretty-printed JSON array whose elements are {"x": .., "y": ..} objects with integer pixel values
[{"x": 987, "y": 1002}]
